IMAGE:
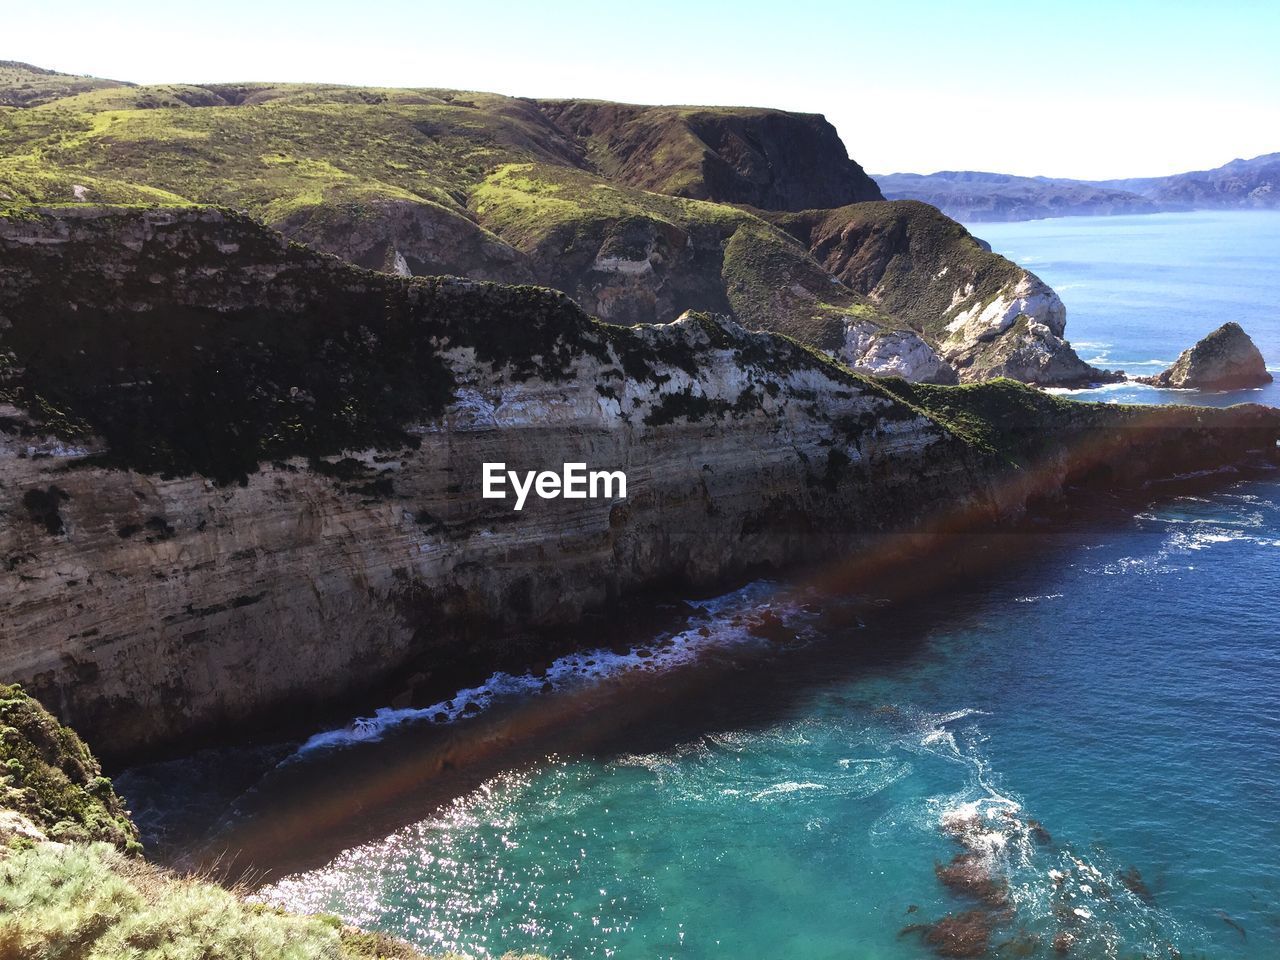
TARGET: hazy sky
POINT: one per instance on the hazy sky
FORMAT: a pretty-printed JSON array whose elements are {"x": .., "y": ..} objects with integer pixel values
[{"x": 1070, "y": 88}]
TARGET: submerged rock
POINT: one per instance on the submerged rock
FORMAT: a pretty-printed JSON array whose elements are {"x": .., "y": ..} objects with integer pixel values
[
  {"x": 1132, "y": 879},
  {"x": 972, "y": 875},
  {"x": 965, "y": 934},
  {"x": 1226, "y": 359}
]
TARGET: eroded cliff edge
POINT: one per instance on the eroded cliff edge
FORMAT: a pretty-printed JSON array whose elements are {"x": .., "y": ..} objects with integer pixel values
[
  {"x": 241, "y": 478},
  {"x": 638, "y": 213}
]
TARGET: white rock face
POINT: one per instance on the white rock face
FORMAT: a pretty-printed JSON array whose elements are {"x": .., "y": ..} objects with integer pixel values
[
  {"x": 1030, "y": 297},
  {"x": 1018, "y": 334},
  {"x": 634, "y": 268},
  {"x": 871, "y": 349},
  {"x": 166, "y": 605}
]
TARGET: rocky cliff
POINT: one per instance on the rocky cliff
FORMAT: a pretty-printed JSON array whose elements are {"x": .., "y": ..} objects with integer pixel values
[
  {"x": 762, "y": 158},
  {"x": 982, "y": 315},
  {"x": 239, "y": 479},
  {"x": 637, "y": 213},
  {"x": 1226, "y": 359}
]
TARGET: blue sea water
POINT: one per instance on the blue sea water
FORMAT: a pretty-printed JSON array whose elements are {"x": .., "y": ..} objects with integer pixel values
[
  {"x": 1096, "y": 725},
  {"x": 1139, "y": 290},
  {"x": 1122, "y": 692}
]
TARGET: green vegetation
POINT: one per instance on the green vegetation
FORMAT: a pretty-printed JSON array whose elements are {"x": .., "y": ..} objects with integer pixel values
[
  {"x": 744, "y": 155},
  {"x": 639, "y": 213},
  {"x": 525, "y": 203},
  {"x": 914, "y": 259},
  {"x": 324, "y": 162},
  {"x": 89, "y": 901},
  {"x": 90, "y": 897},
  {"x": 1003, "y": 417},
  {"x": 86, "y": 900},
  {"x": 684, "y": 405},
  {"x": 49, "y": 776},
  {"x": 774, "y": 285},
  {"x": 22, "y": 85},
  {"x": 222, "y": 369},
  {"x": 303, "y": 356},
  {"x": 316, "y": 359}
]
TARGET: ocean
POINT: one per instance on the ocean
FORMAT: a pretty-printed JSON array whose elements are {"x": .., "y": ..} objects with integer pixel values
[
  {"x": 1139, "y": 290},
  {"x": 1078, "y": 750}
]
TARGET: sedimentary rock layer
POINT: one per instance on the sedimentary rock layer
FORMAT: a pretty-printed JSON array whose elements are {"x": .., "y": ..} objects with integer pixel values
[{"x": 238, "y": 478}]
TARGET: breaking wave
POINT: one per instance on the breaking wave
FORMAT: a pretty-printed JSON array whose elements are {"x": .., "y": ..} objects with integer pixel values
[{"x": 739, "y": 619}]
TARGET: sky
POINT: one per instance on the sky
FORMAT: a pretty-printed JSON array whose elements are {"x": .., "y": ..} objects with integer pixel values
[{"x": 1082, "y": 89}]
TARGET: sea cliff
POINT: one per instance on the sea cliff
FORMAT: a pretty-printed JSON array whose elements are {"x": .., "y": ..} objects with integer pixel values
[{"x": 240, "y": 479}]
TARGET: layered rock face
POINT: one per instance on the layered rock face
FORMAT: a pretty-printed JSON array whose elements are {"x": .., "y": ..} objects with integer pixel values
[
  {"x": 144, "y": 602},
  {"x": 762, "y": 158},
  {"x": 1226, "y": 359},
  {"x": 240, "y": 479}
]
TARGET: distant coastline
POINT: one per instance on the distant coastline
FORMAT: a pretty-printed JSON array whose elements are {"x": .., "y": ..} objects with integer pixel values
[{"x": 980, "y": 197}]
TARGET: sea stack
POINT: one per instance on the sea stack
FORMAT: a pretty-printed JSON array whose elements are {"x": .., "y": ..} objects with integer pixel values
[{"x": 1224, "y": 360}]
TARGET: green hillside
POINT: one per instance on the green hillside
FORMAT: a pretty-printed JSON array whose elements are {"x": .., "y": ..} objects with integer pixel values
[{"x": 638, "y": 213}]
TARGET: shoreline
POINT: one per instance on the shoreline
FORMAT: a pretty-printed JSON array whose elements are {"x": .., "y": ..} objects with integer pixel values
[{"x": 370, "y": 789}]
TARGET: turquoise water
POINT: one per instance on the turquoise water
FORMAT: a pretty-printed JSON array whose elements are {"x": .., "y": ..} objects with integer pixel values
[
  {"x": 1095, "y": 728},
  {"x": 1121, "y": 691}
]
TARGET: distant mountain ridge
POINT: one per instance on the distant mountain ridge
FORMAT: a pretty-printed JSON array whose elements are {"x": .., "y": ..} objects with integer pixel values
[{"x": 978, "y": 196}]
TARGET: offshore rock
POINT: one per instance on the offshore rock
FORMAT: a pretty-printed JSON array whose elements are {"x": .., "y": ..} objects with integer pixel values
[{"x": 1226, "y": 359}]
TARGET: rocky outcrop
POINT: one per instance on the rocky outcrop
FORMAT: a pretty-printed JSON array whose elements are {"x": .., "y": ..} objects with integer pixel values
[
  {"x": 872, "y": 349},
  {"x": 52, "y": 787},
  {"x": 1226, "y": 359},
  {"x": 764, "y": 158},
  {"x": 984, "y": 315},
  {"x": 240, "y": 480},
  {"x": 408, "y": 237}
]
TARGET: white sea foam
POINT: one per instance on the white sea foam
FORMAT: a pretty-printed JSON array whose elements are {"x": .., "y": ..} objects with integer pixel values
[
  {"x": 1102, "y": 388},
  {"x": 727, "y": 625},
  {"x": 1037, "y": 599}
]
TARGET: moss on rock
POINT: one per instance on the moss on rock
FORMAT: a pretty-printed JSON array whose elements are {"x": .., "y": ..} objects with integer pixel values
[{"x": 49, "y": 776}]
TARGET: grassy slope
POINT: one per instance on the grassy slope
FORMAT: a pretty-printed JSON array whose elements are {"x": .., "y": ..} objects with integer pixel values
[
  {"x": 556, "y": 185},
  {"x": 48, "y": 776},
  {"x": 22, "y": 85},
  {"x": 900, "y": 249},
  {"x": 88, "y": 895},
  {"x": 745, "y": 155},
  {"x": 331, "y": 153}
]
